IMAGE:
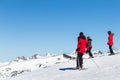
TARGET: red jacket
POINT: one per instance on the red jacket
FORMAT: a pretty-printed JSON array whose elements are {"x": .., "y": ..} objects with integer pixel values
[
  {"x": 81, "y": 46},
  {"x": 110, "y": 39}
]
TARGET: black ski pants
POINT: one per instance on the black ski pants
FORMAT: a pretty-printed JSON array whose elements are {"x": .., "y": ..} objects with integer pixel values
[
  {"x": 79, "y": 60},
  {"x": 111, "y": 51},
  {"x": 89, "y": 52}
]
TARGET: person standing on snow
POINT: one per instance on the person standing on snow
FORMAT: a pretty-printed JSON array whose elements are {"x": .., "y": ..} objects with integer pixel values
[
  {"x": 81, "y": 49},
  {"x": 110, "y": 42},
  {"x": 89, "y": 47}
]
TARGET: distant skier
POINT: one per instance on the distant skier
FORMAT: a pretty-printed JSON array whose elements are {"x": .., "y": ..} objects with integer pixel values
[
  {"x": 81, "y": 49},
  {"x": 110, "y": 42},
  {"x": 89, "y": 47}
]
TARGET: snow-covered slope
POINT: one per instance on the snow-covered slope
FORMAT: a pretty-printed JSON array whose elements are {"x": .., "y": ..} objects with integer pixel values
[
  {"x": 21, "y": 65},
  {"x": 47, "y": 68}
]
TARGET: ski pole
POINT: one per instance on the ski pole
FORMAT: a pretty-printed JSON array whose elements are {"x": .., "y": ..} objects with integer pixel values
[{"x": 95, "y": 63}]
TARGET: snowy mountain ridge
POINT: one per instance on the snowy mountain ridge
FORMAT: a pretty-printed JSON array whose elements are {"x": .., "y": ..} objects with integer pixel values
[{"x": 23, "y": 64}]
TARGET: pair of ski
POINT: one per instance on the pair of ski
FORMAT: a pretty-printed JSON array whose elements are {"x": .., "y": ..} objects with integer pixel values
[
  {"x": 80, "y": 69},
  {"x": 72, "y": 68}
]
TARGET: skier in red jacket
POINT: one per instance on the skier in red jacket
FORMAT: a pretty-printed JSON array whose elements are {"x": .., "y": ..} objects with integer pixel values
[
  {"x": 81, "y": 49},
  {"x": 110, "y": 42}
]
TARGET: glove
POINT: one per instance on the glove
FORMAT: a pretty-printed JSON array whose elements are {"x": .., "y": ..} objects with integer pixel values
[{"x": 77, "y": 49}]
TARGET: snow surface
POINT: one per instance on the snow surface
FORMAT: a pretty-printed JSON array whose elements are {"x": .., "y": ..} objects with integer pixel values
[{"x": 102, "y": 67}]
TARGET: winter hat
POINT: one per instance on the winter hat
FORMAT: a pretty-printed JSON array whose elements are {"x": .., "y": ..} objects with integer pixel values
[
  {"x": 109, "y": 32},
  {"x": 81, "y": 33},
  {"x": 88, "y": 37}
]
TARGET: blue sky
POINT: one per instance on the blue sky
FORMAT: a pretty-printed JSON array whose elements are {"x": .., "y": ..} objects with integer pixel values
[{"x": 28, "y": 27}]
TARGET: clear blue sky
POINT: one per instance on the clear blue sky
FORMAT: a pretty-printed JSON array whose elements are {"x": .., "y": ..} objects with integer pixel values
[{"x": 28, "y": 27}]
